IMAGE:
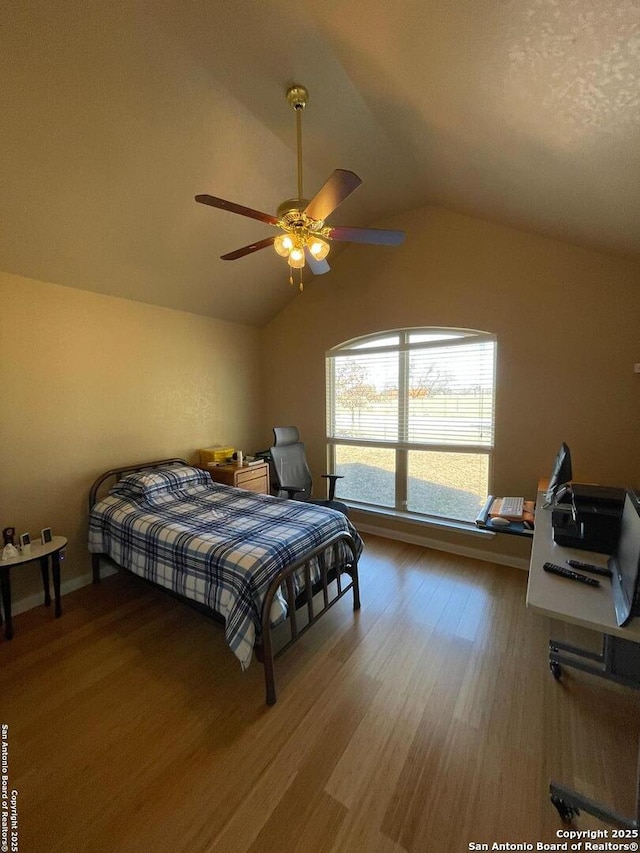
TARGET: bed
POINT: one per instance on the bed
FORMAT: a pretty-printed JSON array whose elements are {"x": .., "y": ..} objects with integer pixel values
[{"x": 253, "y": 560}]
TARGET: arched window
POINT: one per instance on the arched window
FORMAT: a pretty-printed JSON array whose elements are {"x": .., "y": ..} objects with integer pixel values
[{"x": 410, "y": 420}]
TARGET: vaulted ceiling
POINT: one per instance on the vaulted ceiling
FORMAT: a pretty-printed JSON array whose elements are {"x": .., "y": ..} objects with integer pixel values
[{"x": 113, "y": 116}]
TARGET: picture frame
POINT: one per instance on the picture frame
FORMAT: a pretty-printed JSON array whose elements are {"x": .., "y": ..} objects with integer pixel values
[
  {"x": 25, "y": 540},
  {"x": 46, "y": 536}
]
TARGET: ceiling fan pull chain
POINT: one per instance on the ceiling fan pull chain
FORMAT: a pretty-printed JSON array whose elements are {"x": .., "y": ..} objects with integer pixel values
[{"x": 301, "y": 285}]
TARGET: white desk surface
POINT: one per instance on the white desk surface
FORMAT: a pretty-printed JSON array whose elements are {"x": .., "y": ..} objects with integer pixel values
[{"x": 566, "y": 600}]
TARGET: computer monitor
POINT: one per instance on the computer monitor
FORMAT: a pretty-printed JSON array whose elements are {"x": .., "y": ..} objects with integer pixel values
[
  {"x": 625, "y": 562},
  {"x": 561, "y": 473}
]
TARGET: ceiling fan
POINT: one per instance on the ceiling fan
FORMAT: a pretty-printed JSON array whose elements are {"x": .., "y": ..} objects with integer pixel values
[{"x": 302, "y": 222}]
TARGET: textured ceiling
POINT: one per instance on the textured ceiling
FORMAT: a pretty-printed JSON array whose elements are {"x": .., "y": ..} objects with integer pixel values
[{"x": 115, "y": 115}]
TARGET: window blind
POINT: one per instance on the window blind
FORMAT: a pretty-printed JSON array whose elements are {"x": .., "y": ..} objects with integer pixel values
[{"x": 420, "y": 388}]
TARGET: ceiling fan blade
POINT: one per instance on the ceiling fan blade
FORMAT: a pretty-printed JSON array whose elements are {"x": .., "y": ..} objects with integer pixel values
[
  {"x": 247, "y": 250},
  {"x": 223, "y": 204},
  {"x": 339, "y": 186},
  {"x": 379, "y": 236},
  {"x": 316, "y": 267}
]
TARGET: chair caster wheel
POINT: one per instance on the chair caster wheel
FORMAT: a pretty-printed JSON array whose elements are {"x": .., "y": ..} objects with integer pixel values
[
  {"x": 556, "y": 669},
  {"x": 566, "y": 812}
]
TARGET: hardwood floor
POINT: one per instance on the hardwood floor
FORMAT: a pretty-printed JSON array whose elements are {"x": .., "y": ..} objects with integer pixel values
[{"x": 424, "y": 723}]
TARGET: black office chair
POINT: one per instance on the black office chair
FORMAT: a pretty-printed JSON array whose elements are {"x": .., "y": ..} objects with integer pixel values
[{"x": 291, "y": 474}]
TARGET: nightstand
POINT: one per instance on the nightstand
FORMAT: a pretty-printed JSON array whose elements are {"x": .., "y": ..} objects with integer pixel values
[{"x": 253, "y": 478}]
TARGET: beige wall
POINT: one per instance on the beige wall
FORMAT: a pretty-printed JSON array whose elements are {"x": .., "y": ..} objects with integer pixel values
[
  {"x": 93, "y": 382},
  {"x": 566, "y": 320}
]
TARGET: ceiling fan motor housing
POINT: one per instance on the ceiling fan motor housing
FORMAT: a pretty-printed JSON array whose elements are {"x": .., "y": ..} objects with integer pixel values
[{"x": 291, "y": 211}]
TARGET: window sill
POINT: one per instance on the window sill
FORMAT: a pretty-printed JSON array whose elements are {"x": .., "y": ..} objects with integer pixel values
[{"x": 466, "y": 528}]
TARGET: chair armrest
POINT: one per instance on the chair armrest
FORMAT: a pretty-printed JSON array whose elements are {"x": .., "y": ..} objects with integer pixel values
[
  {"x": 332, "y": 483},
  {"x": 291, "y": 491}
]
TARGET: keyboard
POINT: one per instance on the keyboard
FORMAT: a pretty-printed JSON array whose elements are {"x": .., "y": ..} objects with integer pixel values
[{"x": 511, "y": 506}]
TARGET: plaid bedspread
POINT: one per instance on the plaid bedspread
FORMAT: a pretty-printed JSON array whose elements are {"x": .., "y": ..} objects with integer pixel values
[{"x": 215, "y": 544}]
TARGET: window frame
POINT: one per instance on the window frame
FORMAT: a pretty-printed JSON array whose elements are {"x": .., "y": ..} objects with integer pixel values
[{"x": 355, "y": 346}]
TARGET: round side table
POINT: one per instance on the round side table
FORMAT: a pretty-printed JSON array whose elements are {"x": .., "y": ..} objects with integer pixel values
[{"x": 45, "y": 554}]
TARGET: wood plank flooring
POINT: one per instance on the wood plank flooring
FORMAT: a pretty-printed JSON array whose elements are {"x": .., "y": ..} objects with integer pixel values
[{"x": 424, "y": 723}]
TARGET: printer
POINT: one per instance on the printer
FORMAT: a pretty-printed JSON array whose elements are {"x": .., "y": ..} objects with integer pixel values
[{"x": 588, "y": 517}]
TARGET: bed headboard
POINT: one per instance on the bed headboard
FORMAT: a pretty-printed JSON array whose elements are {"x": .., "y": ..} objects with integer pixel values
[{"x": 116, "y": 473}]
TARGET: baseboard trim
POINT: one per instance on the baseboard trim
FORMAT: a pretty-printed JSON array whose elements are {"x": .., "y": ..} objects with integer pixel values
[
  {"x": 106, "y": 569},
  {"x": 36, "y": 600},
  {"x": 436, "y": 544}
]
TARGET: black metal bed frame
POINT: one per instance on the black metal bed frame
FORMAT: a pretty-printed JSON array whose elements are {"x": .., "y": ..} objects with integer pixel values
[{"x": 285, "y": 579}]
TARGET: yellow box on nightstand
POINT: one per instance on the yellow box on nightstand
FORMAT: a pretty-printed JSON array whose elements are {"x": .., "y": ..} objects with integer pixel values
[{"x": 215, "y": 455}]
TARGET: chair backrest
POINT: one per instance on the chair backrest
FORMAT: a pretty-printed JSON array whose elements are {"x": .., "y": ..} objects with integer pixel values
[{"x": 289, "y": 461}]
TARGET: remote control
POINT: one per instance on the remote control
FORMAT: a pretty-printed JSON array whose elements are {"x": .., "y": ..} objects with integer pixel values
[
  {"x": 589, "y": 567},
  {"x": 567, "y": 573}
]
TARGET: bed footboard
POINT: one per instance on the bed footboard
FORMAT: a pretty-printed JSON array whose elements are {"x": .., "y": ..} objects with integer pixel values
[{"x": 307, "y": 598}]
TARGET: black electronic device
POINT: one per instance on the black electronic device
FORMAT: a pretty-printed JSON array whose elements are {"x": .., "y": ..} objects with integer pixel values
[
  {"x": 625, "y": 563},
  {"x": 589, "y": 567},
  {"x": 588, "y": 518},
  {"x": 560, "y": 475},
  {"x": 569, "y": 574}
]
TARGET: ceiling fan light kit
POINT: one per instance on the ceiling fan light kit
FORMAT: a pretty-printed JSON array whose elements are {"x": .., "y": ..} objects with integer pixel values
[
  {"x": 304, "y": 238},
  {"x": 318, "y": 248},
  {"x": 283, "y": 244}
]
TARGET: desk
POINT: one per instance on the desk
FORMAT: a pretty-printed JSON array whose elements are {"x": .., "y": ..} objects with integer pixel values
[
  {"x": 43, "y": 553},
  {"x": 589, "y": 607}
]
